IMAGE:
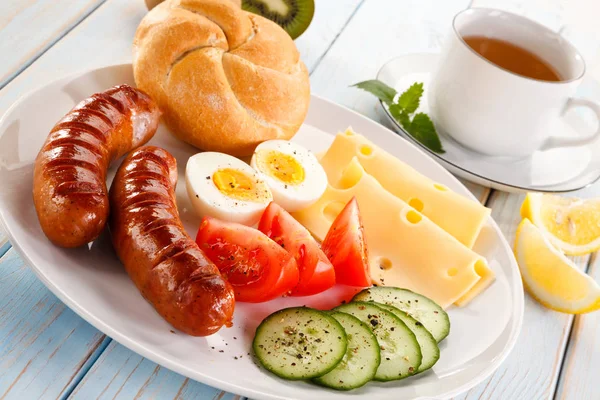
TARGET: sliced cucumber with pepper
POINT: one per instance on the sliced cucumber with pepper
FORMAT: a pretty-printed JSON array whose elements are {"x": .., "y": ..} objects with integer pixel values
[
  {"x": 362, "y": 358},
  {"x": 427, "y": 343},
  {"x": 421, "y": 308},
  {"x": 400, "y": 351},
  {"x": 300, "y": 343}
]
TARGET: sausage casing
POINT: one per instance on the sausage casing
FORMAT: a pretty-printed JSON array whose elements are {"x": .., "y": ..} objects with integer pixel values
[
  {"x": 166, "y": 265},
  {"x": 69, "y": 182}
]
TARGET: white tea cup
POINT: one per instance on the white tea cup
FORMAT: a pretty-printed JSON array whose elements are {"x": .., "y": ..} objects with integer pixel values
[{"x": 493, "y": 110}]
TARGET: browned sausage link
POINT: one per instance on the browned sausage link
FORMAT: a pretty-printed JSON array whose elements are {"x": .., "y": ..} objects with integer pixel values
[
  {"x": 165, "y": 264},
  {"x": 69, "y": 182}
]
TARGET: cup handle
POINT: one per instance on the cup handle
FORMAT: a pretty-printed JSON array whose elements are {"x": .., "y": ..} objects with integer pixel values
[{"x": 557, "y": 141}]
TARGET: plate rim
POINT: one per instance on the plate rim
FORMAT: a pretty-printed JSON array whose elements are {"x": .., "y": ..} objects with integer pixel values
[
  {"x": 144, "y": 351},
  {"x": 439, "y": 158}
]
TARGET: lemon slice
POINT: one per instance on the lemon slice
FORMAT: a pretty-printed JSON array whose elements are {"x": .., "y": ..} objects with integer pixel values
[
  {"x": 550, "y": 277},
  {"x": 572, "y": 225}
]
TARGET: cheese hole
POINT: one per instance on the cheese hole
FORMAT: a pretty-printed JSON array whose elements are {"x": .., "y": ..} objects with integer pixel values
[
  {"x": 366, "y": 150},
  {"x": 332, "y": 210},
  {"x": 413, "y": 217},
  {"x": 415, "y": 203},
  {"x": 480, "y": 267},
  {"x": 440, "y": 187},
  {"x": 351, "y": 175},
  {"x": 384, "y": 263},
  {"x": 452, "y": 271}
]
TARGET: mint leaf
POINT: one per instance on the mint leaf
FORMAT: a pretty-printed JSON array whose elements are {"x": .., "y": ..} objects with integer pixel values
[
  {"x": 422, "y": 129},
  {"x": 379, "y": 89},
  {"x": 410, "y": 99},
  {"x": 400, "y": 116}
]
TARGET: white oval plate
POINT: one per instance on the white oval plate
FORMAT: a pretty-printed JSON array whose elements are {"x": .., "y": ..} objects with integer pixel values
[{"x": 93, "y": 283}]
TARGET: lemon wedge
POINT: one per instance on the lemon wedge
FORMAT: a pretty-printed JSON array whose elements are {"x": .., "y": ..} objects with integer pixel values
[
  {"x": 572, "y": 225},
  {"x": 550, "y": 277}
]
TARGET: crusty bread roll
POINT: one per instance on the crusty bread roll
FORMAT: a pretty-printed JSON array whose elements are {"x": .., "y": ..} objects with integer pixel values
[
  {"x": 153, "y": 3},
  {"x": 225, "y": 79}
]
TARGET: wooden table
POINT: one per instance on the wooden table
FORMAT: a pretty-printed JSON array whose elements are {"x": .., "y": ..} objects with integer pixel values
[{"x": 47, "y": 351}]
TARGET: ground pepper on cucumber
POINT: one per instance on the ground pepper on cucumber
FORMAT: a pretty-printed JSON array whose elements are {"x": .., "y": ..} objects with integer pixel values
[{"x": 383, "y": 334}]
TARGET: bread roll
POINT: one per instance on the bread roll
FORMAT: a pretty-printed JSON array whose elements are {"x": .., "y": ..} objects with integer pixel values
[
  {"x": 153, "y": 3},
  {"x": 150, "y": 4},
  {"x": 225, "y": 79}
]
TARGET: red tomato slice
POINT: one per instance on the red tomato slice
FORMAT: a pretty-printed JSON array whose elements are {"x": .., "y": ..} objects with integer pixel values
[
  {"x": 316, "y": 272},
  {"x": 257, "y": 267},
  {"x": 345, "y": 246}
]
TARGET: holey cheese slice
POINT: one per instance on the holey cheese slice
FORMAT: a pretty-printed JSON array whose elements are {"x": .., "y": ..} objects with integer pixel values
[
  {"x": 406, "y": 249},
  {"x": 461, "y": 217}
]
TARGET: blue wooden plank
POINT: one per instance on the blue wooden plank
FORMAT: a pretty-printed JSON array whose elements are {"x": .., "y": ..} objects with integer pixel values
[
  {"x": 85, "y": 368},
  {"x": 123, "y": 374},
  {"x": 29, "y": 28},
  {"x": 42, "y": 343},
  {"x": 4, "y": 243}
]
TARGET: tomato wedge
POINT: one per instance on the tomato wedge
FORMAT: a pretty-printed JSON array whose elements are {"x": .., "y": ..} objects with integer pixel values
[
  {"x": 316, "y": 272},
  {"x": 346, "y": 248},
  {"x": 258, "y": 268}
]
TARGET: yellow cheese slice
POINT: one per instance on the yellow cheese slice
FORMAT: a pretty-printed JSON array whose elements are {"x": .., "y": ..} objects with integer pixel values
[
  {"x": 461, "y": 217},
  {"x": 406, "y": 249},
  {"x": 487, "y": 277}
]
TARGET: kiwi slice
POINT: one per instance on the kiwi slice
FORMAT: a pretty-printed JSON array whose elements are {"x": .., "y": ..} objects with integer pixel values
[{"x": 293, "y": 16}]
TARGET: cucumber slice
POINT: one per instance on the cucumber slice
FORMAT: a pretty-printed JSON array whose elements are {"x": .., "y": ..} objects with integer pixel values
[
  {"x": 421, "y": 308},
  {"x": 400, "y": 351},
  {"x": 428, "y": 344},
  {"x": 362, "y": 358},
  {"x": 299, "y": 343}
]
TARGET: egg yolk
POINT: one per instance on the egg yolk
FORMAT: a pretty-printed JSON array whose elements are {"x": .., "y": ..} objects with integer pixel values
[
  {"x": 239, "y": 186},
  {"x": 282, "y": 167}
]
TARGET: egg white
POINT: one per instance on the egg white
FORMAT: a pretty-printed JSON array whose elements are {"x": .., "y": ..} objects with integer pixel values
[
  {"x": 302, "y": 195},
  {"x": 208, "y": 199}
]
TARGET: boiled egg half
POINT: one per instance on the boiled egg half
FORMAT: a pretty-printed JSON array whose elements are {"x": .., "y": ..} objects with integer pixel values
[
  {"x": 226, "y": 188},
  {"x": 292, "y": 172}
]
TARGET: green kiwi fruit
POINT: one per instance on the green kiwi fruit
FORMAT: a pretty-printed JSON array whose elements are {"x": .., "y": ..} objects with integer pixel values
[{"x": 292, "y": 15}]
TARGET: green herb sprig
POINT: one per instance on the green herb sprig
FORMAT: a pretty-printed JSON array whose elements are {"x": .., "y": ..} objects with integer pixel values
[{"x": 418, "y": 125}]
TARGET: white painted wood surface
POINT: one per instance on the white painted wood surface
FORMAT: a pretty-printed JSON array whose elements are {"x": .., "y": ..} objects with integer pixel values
[
  {"x": 347, "y": 42},
  {"x": 29, "y": 27},
  {"x": 581, "y": 367}
]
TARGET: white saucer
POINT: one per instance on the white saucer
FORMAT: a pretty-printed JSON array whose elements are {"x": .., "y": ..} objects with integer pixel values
[{"x": 556, "y": 170}]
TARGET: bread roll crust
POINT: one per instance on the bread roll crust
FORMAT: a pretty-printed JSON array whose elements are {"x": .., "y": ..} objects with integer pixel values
[{"x": 225, "y": 79}]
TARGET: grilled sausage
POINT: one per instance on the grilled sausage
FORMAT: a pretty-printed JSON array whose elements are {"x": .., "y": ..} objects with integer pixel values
[
  {"x": 165, "y": 264},
  {"x": 69, "y": 182}
]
